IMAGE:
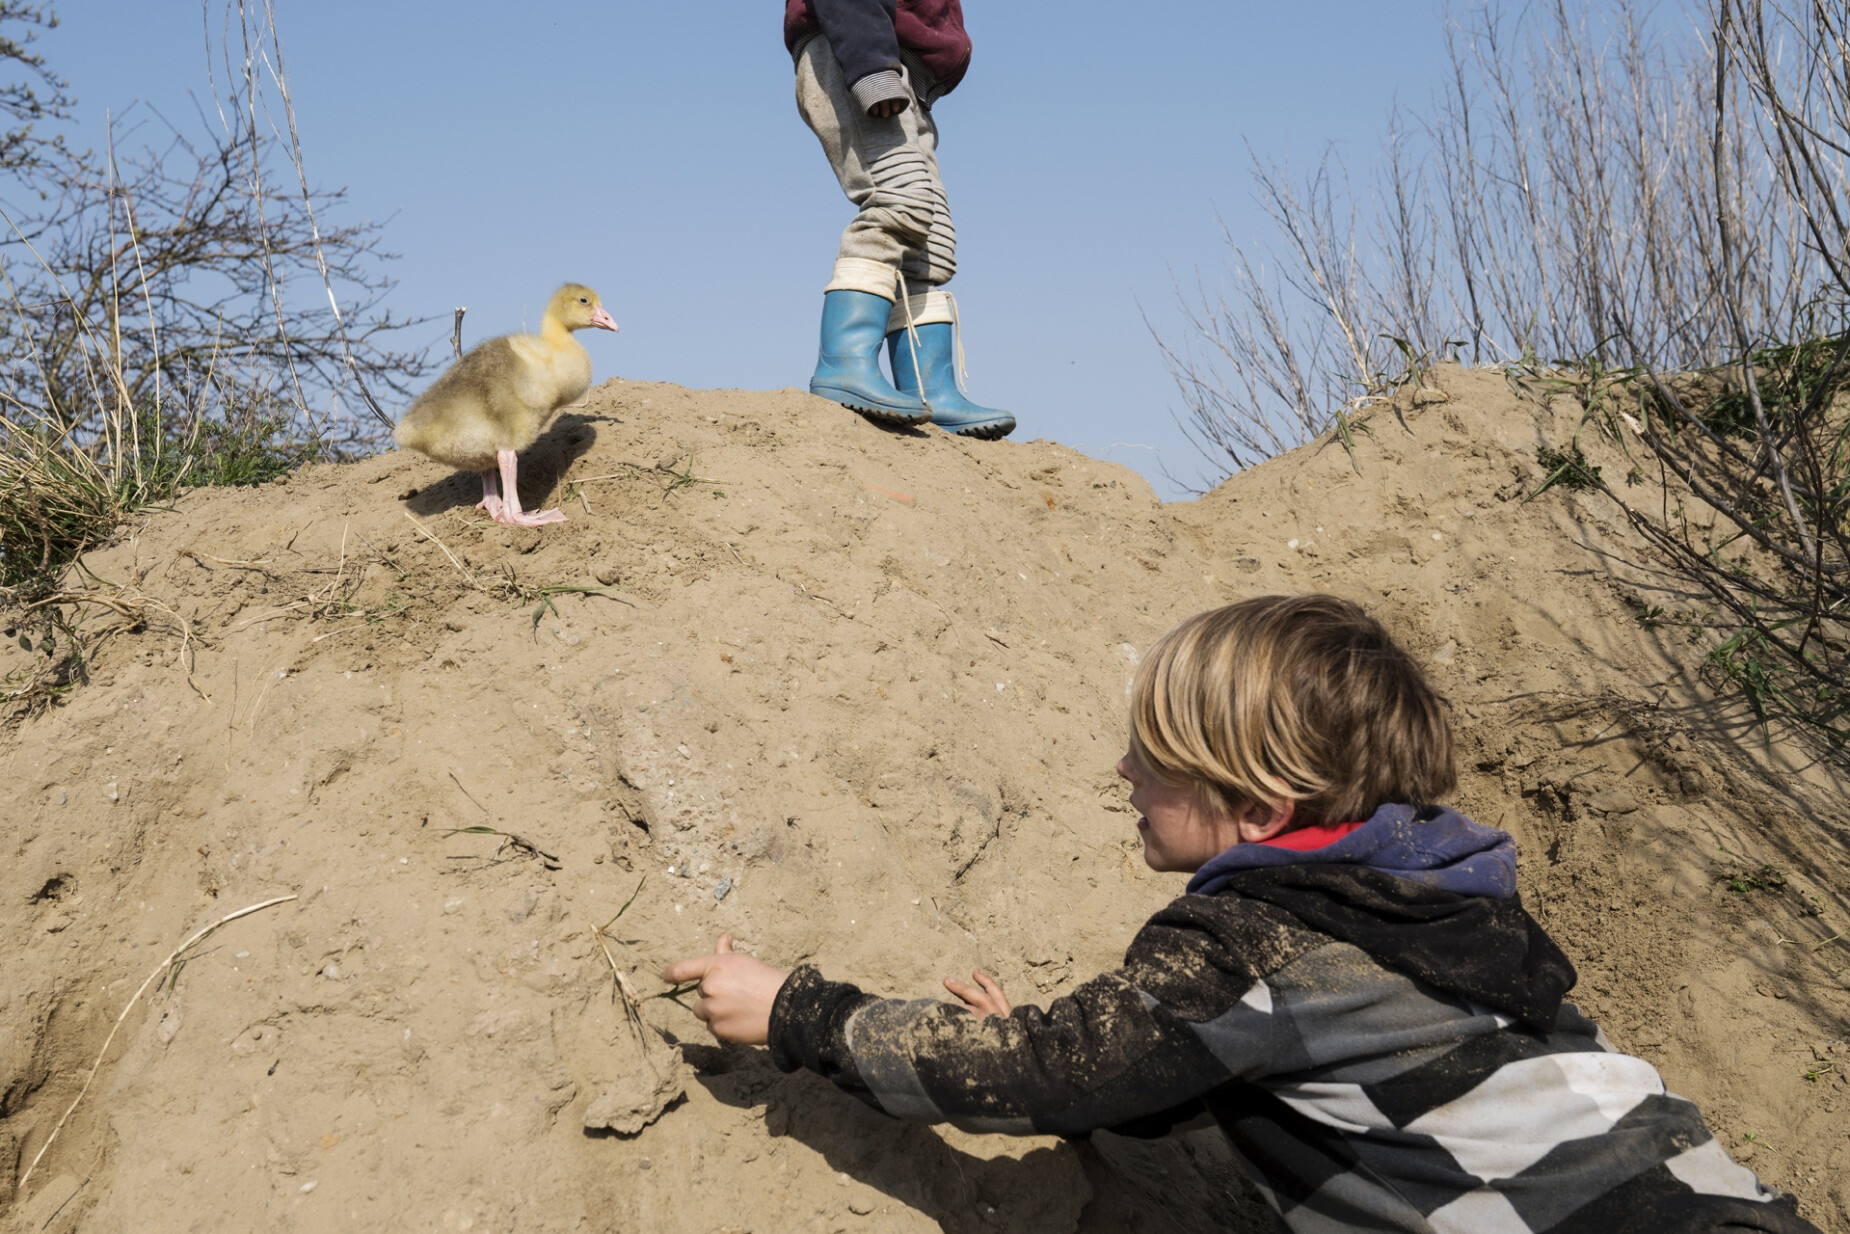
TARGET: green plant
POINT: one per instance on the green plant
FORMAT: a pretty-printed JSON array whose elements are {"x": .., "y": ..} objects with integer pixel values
[
  {"x": 541, "y": 597},
  {"x": 519, "y": 844},
  {"x": 59, "y": 659},
  {"x": 1567, "y": 469},
  {"x": 685, "y": 478},
  {"x": 1766, "y": 878}
]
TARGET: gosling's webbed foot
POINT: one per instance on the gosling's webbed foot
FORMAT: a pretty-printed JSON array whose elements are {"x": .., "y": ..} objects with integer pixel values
[
  {"x": 510, "y": 511},
  {"x": 528, "y": 518},
  {"x": 491, "y": 500}
]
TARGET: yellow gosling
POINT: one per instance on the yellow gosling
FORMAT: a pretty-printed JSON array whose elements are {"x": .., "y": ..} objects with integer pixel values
[{"x": 496, "y": 400}]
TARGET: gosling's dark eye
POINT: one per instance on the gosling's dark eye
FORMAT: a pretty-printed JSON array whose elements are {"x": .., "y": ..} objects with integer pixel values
[{"x": 582, "y": 300}]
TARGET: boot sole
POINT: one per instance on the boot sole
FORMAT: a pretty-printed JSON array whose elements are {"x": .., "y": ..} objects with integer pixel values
[
  {"x": 872, "y": 410},
  {"x": 993, "y": 431}
]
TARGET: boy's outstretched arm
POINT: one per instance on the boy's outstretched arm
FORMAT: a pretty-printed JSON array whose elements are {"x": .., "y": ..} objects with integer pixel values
[
  {"x": 734, "y": 993},
  {"x": 1123, "y": 1047},
  {"x": 1100, "y": 1056}
]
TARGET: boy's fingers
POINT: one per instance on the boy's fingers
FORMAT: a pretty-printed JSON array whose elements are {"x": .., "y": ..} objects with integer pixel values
[
  {"x": 724, "y": 946},
  {"x": 972, "y": 998},
  {"x": 993, "y": 988},
  {"x": 687, "y": 970}
]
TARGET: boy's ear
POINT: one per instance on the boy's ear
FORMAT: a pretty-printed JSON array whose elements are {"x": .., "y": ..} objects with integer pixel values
[{"x": 1261, "y": 821}]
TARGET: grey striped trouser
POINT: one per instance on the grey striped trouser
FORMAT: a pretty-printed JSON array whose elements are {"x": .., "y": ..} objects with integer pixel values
[{"x": 889, "y": 170}]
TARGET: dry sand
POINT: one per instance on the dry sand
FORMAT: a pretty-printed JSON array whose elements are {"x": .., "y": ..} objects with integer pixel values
[{"x": 855, "y": 696}]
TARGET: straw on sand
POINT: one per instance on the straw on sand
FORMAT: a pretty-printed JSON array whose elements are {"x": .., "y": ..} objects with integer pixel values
[{"x": 160, "y": 968}]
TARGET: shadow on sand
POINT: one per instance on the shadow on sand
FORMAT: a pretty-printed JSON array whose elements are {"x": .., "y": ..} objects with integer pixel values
[
  {"x": 542, "y": 465},
  {"x": 1180, "y": 1185}
]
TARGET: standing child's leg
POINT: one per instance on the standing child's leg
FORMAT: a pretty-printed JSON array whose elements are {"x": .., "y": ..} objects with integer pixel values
[
  {"x": 924, "y": 337},
  {"x": 884, "y": 172}
]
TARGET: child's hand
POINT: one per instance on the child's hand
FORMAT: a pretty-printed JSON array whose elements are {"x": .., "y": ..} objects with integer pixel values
[
  {"x": 984, "y": 999},
  {"x": 735, "y": 992}
]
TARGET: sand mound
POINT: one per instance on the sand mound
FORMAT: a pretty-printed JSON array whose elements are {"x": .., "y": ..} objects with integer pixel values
[{"x": 854, "y": 696}]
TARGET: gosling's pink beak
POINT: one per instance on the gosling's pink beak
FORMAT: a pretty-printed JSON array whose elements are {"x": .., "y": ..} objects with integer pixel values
[{"x": 602, "y": 320}]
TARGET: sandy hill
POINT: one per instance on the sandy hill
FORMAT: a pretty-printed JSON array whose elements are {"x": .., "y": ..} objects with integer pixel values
[{"x": 855, "y": 696}]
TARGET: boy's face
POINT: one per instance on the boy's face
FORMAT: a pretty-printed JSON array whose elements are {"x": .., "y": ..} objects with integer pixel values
[{"x": 1180, "y": 831}]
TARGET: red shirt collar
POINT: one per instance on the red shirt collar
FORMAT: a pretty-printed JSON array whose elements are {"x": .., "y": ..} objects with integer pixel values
[{"x": 1304, "y": 839}]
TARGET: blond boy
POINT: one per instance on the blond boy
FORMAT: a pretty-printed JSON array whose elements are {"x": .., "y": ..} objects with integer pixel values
[{"x": 1350, "y": 988}]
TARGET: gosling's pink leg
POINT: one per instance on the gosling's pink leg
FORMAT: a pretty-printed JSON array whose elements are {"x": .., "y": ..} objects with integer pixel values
[
  {"x": 491, "y": 500},
  {"x": 511, "y": 512}
]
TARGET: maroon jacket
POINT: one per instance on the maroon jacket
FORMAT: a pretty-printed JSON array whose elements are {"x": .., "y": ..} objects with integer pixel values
[{"x": 866, "y": 35}]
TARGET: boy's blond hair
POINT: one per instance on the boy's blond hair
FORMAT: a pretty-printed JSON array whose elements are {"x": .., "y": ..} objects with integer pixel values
[{"x": 1291, "y": 698}]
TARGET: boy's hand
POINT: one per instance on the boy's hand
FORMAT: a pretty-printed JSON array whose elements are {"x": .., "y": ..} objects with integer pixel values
[
  {"x": 984, "y": 999},
  {"x": 735, "y": 992},
  {"x": 886, "y": 108}
]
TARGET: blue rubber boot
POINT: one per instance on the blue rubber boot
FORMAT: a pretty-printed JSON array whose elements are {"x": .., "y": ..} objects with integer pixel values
[
  {"x": 950, "y": 409},
  {"x": 848, "y": 367}
]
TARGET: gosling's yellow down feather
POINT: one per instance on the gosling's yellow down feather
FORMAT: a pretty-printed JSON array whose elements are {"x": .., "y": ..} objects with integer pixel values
[{"x": 499, "y": 397}]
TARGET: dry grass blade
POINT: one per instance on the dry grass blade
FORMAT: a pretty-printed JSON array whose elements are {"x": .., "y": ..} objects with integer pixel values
[
  {"x": 632, "y": 1002},
  {"x": 62, "y": 613},
  {"x": 430, "y": 535},
  {"x": 510, "y": 840},
  {"x": 177, "y": 954},
  {"x": 632, "y": 1005}
]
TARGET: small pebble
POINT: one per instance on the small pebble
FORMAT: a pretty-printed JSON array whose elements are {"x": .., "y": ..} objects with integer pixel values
[
  {"x": 645, "y": 1164},
  {"x": 723, "y": 890},
  {"x": 308, "y": 1186}
]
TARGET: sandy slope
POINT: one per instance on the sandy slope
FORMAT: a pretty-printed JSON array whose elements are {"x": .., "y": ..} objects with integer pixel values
[{"x": 855, "y": 696}]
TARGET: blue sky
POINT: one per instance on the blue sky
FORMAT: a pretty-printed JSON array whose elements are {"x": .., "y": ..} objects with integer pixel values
[{"x": 654, "y": 151}]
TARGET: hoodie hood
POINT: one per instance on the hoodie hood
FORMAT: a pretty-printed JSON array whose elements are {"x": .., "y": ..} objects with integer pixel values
[
  {"x": 1428, "y": 845},
  {"x": 1425, "y": 892}
]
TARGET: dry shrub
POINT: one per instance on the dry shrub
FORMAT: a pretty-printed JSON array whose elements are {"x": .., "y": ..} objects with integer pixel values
[
  {"x": 1599, "y": 199},
  {"x": 175, "y": 311}
]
